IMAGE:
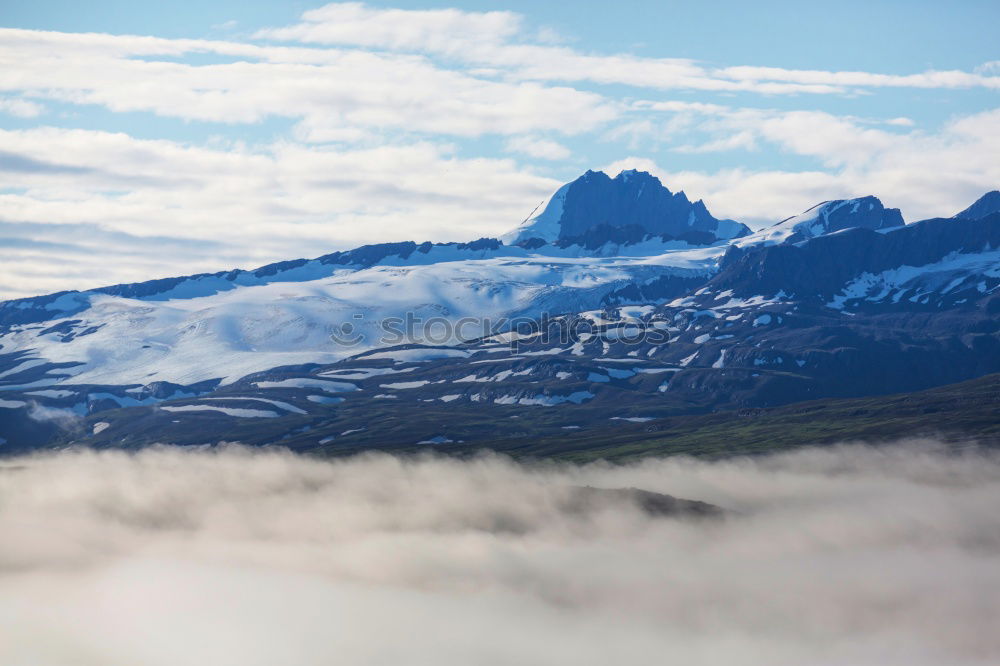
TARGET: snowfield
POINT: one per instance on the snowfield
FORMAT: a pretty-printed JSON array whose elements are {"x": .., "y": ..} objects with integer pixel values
[{"x": 188, "y": 337}]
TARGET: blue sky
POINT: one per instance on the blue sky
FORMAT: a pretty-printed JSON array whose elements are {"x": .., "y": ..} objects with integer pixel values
[{"x": 140, "y": 140}]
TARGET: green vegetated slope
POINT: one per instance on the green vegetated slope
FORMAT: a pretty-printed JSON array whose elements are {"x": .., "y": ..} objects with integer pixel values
[{"x": 964, "y": 412}]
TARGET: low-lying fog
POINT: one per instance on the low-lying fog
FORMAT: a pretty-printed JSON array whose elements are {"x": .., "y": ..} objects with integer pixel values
[{"x": 842, "y": 555}]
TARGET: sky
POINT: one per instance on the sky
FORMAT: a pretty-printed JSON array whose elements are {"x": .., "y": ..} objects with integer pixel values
[{"x": 145, "y": 140}]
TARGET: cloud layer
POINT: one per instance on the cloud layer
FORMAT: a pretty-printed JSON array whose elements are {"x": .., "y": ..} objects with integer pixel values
[
  {"x": 497, "y": 39},
  {"x": 926, "y": 175},
  {"x": 836, "y": 555},
  {"x": 111, "y": 206}
]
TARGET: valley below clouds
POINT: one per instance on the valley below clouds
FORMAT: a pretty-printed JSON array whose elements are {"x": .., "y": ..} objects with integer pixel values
[{"x": 843, "y": 554}]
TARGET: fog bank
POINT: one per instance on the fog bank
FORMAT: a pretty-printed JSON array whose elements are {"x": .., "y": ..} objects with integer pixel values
[{"x": 837, "y": 555}]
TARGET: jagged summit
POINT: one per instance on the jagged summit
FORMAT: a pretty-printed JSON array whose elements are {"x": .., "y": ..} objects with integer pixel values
[
  {"x": 626, "y": 208},
  {"x": 987, "y": 204},
  {"x": 828, "y": 217}
]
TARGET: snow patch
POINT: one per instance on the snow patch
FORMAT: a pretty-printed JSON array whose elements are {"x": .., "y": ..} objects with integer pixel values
[
  {"x": 438, "y": 439},
  {"x": 576, "y": 398},
  {"x": 405, "y": 385},
  {"x": 228, "y": 411},
  {"x": 306, "y": 382},
  {"x": 324, "y": 400}
]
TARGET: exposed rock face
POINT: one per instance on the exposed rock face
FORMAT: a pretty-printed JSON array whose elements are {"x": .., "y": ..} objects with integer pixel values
[
  {"x": 987, "y": 204},
  {"x": 820, "y": 268},
  {"x": 592, "y": 206}
]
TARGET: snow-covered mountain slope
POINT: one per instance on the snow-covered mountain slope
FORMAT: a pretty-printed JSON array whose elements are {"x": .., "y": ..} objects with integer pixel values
[
  {"x": 545, "y": 224},
  {"x": 732, "y": 343},
  {"x": 957, "y": 252},
  {"x": 825, "y": 218},
  {"x": 224, "y": 325},
  {"x": 841, "y": 300},
  {"x": 201, "y": 329},
  {"x": 636, "y": 202}
]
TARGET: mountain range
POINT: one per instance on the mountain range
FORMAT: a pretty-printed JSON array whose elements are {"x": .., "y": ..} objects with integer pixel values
[{"x": 617, "y": 307}]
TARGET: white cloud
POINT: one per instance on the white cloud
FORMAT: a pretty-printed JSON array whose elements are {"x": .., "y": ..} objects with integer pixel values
[
  {"x": 202, "y": 208},
  {"x": 21, "y": 108},
  {"x": 356, "y": 24},
  {"x": 737, "y": 140},
  {"x": 332, "y": 90},
  {"x": 543, "y": 149},
  {"x": 843, "y": 80},
  {"x": 494, "y": 39}
]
